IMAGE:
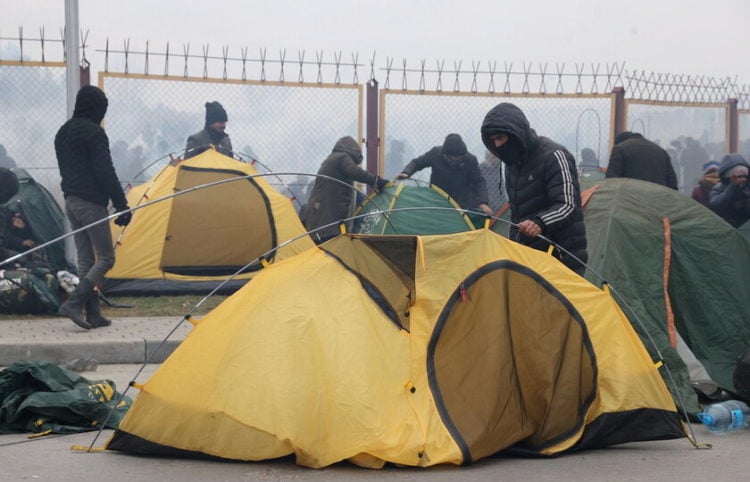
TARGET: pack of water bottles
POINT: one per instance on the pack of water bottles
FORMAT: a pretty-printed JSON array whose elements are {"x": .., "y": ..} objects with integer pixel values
[{"x": 725, "y": 416}]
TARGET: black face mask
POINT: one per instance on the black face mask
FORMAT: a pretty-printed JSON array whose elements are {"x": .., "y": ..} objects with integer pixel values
[{"x": 511, "y": 152}]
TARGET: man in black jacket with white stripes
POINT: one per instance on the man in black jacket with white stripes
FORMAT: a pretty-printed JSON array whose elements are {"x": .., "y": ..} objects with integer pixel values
[{"x": 541, "y": 182}]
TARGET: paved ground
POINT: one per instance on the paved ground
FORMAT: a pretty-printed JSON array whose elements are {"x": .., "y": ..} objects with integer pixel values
[
  {"x": 127, "y": 340},
  {"x": 120, "y": 351}
]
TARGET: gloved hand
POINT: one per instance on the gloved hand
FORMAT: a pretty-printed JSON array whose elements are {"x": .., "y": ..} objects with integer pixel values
[
  {"x": 380, "y": 183},
  {"x": 124, "y": 218}
]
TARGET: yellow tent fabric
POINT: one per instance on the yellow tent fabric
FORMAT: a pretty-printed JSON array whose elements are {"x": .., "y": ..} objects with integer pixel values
[
  {"x": 208, "y": 233},
  {"x": 405, "y": 349}
]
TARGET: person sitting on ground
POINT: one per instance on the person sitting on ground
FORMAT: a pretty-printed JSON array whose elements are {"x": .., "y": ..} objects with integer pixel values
[
  {"x": 213, "y": 133},
  {"x": 8, "y": 189},
  {"x": 331, "y": 199},
  {"x": 455, "y": 171},
  {"x": 636, "y": 157},
  {"x": 710, "y": 178},
  {"x": 730, "y": 198}
]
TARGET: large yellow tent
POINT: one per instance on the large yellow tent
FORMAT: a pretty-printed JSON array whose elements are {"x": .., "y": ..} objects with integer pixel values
[
  {"x": 195, "y": 240},
  {"x": 416, "y": 350}
]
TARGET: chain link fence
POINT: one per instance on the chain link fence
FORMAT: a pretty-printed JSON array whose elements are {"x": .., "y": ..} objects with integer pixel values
[
  {"x": 692, "y": 134},
  {"x": 285, "y": 127},
  {"x": 416, "y": 121},
  {"x": 287, "y": 111},
  {"x": 33, "y": 108}
]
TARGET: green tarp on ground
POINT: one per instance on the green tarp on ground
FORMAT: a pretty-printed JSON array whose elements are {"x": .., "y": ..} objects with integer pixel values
[
  {"x": 41, "y": 397},
  {"x": 642, "y": 237}
]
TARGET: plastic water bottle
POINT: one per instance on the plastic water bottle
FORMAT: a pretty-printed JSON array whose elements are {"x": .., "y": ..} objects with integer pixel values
[{"x": 725, "y": 416}]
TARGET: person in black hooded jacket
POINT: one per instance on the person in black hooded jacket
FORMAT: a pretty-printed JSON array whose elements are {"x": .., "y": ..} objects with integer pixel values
[
  {"x": 541, "y": 183},
  {"x": 455, "y": 171},
  {"x": 88, "y": 183}
]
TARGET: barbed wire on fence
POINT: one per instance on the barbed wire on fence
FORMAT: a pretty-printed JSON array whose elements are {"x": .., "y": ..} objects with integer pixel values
[
  {"x": 485, "y": 76},
  {"x": 324, "y": 68},
  {"x": 530, "y": 79}
]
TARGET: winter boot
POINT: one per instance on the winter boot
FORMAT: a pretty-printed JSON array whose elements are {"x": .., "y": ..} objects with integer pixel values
[
  {"x": 73, "y": 307},
  {"x": 94, "y": 314}
]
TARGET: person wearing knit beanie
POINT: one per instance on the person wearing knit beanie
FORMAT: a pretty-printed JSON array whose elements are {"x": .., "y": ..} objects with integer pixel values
[
  {"x": 213, "y": 133},
  {"x": 455, "y": 171},
  {"x": 702, "y": 191}
]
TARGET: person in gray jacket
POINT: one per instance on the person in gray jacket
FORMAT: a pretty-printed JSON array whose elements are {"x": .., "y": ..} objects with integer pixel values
[
  {"x": 213, "y": 133},
  {"x": 331, "y": 199}
]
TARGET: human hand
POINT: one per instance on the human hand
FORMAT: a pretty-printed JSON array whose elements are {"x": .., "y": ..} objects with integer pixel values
[
  {"x": 485, "y": 209},
  {"x": 380, "y": 183},
  {"x": 402, "y": 175},
  {"x": 124, "y": 218},
  {"x": 529, "y": 228},
  {"x": 29, "y": 243}
]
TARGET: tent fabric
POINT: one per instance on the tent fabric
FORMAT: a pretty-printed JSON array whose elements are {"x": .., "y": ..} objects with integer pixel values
[
  {"x": 196, "y": 240},
  {"x": 415, "y": 350},
  {"x": 41, "y": 397},
  {"x": 402, "y": 195},
  {"x": 633, "y": 227},
  {"x": 46, "y": 218}
]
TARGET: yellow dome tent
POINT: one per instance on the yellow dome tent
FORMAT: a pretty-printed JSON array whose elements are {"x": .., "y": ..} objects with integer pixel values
[
  {"x": 416, "y": 350},
  {"x": 196, "y": 240}
]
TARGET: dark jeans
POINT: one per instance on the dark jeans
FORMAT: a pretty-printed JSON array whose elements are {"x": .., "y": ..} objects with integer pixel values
[{"x": 96, "y": 253}]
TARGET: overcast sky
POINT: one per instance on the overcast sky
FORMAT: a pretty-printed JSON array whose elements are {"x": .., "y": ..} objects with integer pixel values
[{"x": 668, "y": 36}]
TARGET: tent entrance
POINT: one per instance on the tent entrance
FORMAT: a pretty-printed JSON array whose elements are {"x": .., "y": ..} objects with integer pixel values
[
  {"x": 530, "y": 356},
  {"x": 216, "y": 230}
]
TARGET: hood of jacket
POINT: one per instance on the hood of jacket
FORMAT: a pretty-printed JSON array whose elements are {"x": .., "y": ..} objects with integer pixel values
[
  {"x": 728, "y": 162},
  {"x": 508, "y": 119},
  {"x": 91, "y": 103},
  {"x": 349, "y": 146}
]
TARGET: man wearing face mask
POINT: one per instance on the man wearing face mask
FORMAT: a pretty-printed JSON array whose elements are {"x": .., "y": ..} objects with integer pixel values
[
  {"x": 541, "y": 183},
  {"x": 455, "y": 171},
  {"x": 213, "y": 133}
]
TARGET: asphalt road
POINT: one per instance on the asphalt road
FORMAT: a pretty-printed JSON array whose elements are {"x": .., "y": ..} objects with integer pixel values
[{"x": 50, "y": 458}]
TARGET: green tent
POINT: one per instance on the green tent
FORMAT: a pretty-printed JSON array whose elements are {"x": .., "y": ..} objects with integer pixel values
[
  {"x": 44, "y": 215},
  {"x": 448, "y": 219},
  {"x": 680, "y": 270}
]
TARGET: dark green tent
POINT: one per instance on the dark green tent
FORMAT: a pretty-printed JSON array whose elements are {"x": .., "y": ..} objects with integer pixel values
[
  {"x": 448, "y": 219},
  {"x": 681, "y": 269},
  {"x": 44, "y": 215}
]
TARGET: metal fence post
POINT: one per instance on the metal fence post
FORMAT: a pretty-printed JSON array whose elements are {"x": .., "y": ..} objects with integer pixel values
[
  {"x": 733, "y": 126},
  {"x": 372, "y": 139},
  {"x": 619, "y": 115}
]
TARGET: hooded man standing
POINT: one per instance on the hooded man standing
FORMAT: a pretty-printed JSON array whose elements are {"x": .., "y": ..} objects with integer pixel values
[
  {"x": 730, "y": 198},
  {"x": 331, "y": 199},
  {"x": 88, "y": 183},
  {"x": 455, "y": 171},
  {"x": 541, "y": 183},
  {"x": 212, "y": 133}
]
